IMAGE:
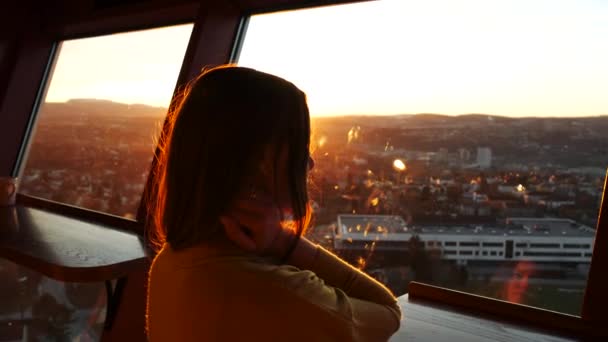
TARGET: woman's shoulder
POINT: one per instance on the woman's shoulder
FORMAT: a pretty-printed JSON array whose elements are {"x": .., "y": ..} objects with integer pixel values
[
  {"x": 223, "y": 262},
  {"x": 197, "y": 256},
  {"x": 254, "y": 291},
  {"x": 229, "y": 269}
]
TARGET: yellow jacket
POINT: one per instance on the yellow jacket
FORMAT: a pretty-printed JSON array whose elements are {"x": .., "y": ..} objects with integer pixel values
[{"x": 208, "y": 293}]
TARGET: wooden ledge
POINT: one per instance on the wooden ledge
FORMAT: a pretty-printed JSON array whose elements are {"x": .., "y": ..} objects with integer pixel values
[
  {"x": 541, "y": 320},
  {"x": 433, "y": 321},
  {"x": 68, "y": 249}
]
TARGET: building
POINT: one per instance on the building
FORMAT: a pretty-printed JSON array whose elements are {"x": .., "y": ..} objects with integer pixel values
[
  {"x": 484, "y": 157},
  {"x": 549, "y": 240}
]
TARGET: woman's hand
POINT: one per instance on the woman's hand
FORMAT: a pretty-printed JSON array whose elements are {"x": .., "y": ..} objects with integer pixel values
[{"x": 256, "y": 225}]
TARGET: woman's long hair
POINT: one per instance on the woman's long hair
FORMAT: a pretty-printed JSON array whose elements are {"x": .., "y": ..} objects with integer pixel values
[{"x": 212, "y": 145}]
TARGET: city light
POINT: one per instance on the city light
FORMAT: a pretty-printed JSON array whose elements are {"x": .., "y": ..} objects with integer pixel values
[
  {"x": 399, "y": 165},
  {"x": 353, "y": 134},
  {"x": 374, "y": 201}
]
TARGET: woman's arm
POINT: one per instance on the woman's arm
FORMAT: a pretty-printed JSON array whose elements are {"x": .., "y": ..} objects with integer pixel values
[
  {"x": 337, "y": 273},
  {"x": 256, "y": 226}
]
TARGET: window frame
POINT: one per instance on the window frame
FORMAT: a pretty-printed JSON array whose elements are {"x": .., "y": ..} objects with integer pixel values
[
  {"x": 112, "y": 25},
  {"x": 216, "y": 38}
]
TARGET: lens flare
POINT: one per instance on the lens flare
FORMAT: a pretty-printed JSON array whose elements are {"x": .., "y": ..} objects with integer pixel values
[
  {"x": 322, "y": 141},
  {"x": 361, "y": 263}
]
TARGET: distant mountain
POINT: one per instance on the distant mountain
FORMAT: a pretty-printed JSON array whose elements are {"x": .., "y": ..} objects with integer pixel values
[
  {"x": 95, "y": 107},
  {"x": 403, "y": 121},
  {"x": 107, "y": 108},
  {"x": 430, "y": 120}
]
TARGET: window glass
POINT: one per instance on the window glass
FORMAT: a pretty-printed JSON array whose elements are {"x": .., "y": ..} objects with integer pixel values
[
  {"x": 477, "y": 124},
  {"x": 95, "y": 131}
]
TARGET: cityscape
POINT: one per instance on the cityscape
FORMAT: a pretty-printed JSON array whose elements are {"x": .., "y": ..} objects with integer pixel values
[
  {"x": 468, "y": 175},
  {"x": 465, "y": 175},
  {"x": 81, "y": 156}
]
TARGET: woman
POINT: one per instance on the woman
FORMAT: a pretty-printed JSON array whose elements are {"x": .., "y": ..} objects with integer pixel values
[{"x": 230, "y": 206}]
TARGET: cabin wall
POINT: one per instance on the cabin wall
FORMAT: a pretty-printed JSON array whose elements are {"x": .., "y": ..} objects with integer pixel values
[
  {"x": 21, "y": 29},
  {"x": 12, "y": 23}
]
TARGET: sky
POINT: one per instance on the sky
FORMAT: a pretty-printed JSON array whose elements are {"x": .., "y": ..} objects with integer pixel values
[
  {"x": 512, "y": 58},
  {"x": 134, "y": 67}
]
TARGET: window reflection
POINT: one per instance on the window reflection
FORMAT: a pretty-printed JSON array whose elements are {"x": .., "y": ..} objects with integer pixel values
[
  {"x": 37, "y": 308},
  {"x": 517, "y": 285}
]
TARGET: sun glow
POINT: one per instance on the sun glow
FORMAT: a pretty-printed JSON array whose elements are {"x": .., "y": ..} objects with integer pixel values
[
  {"x": 138, "y": 67},
  {"x": 513, "y": 58}
]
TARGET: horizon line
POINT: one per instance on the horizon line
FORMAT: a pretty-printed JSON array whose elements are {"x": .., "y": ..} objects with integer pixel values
[{"x": 364, "y": 115}]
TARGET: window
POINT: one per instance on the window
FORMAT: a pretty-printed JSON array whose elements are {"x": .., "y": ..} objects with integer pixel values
[
  {"x": 476, "y": 120},
  {"x": 468, "y": 244},
  {"x": 576, "y": 245},
  {"x": 104, "y": 105},
  {"x": 544, "y": 245}
]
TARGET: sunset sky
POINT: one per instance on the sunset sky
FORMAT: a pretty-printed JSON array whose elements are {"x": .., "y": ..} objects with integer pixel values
[
  {"x": 134, "y": 67},
  {"x": 514, "y": 58}
]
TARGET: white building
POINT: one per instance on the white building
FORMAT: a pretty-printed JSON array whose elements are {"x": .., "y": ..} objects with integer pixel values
[
  {"x": 484, "y": 157},
  {"x": 549, "y": 240}
]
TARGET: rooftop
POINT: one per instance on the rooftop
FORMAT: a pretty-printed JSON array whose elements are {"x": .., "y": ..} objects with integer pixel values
[{"x": 351, "y": 224}]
